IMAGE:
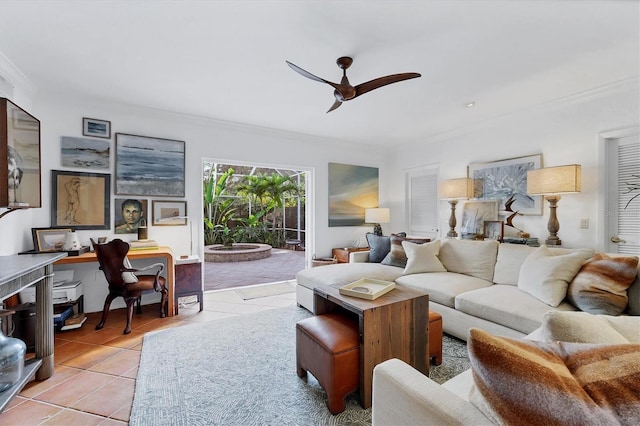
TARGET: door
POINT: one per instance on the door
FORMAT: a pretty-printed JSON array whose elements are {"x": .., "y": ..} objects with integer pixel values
[
  {"x": 422, "y": 202},
  {"x": 622, "y": 217}
]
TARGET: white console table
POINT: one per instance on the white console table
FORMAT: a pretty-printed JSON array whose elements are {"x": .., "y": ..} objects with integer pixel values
[{"x": 16, "y": 273}]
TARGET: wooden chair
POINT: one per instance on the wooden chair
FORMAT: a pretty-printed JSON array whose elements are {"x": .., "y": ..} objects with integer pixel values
[{"x": 123, "y": 281}]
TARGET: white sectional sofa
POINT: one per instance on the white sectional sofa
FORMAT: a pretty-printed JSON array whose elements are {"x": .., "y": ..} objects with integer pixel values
[{"x": 479, "y": 288}]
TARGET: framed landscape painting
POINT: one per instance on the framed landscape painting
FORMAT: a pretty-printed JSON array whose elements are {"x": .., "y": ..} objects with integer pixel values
[
  {"x": 84, "y": 152},
  {"x": 500, "y": 180},
  {"x": 149, "y": 166},
  {"x": 352, "y": 189}
]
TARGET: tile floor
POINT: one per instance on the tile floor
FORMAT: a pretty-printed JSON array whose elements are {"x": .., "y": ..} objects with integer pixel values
[{"x": 95, "y": 371}]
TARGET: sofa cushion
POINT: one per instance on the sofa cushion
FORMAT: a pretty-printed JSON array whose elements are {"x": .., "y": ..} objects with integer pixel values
[
  {"x": 506, "y": 305},
  {"x": 582, "y": 327},
  {"x": 422, "y": 257},
  {"x": 546, "y": 273},
  {"x": 510, "y": 259},
  {"x": 397, "y": 256},
  {"x": 600, "y": 287},
  {"x": 345, "y": 273},
  {"x": 528, "y": 382},
  {"x": 443, "y": 287},
  {"x": 379, "y": 246},
  {"x": 475, "y": 258}
]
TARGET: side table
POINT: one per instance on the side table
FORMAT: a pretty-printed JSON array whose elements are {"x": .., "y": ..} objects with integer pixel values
[
  {"x": 188, "y": 280},
  {"x": 342, "y": 253}
]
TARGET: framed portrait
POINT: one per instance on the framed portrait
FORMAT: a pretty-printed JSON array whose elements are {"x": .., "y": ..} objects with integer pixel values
[
  {"x": 84, "y": 153},
  {"x": 149, "y": 166},
  {"x": 19, "y": 157},
  {"x": 503, "y": 179},
  {"x": 130, "y": 213},
  {"x": 352, "y": 189},
  {"x": 80, "y": 200},
  {"x": 49, "y": 239},
  {"x": 475, "y": 214},
  {"x": 494, "y": 230},
  {"x": 169, "y": 213},
  {"x": 96, "y": 128}
]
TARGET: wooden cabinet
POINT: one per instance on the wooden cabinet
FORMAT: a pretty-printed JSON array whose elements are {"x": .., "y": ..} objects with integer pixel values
[
  {"x": 188, "y": 281},
  {"x": 342, "y": 253}
]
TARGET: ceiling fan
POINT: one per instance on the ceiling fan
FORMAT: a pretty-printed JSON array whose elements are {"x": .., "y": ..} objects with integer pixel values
[{"x": 345, "y": 91}]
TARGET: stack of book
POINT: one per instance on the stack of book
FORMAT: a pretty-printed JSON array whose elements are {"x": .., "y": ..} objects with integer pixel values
[
  {"x": 143, "y": 244},
  {"x": 74, "y": 322},
  {"x": 531, "y": 242}
]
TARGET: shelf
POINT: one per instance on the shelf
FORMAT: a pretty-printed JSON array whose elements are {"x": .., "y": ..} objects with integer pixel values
[{"x": 30, "y": 368}]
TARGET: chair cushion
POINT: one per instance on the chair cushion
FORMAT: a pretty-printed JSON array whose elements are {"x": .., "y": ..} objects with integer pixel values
[
  {"x": 601, "y": 284},
  {"x": 422, "y": 257},
  {"x": 475, "y": 258},
  {"x": 528, "y": 382},
  {"x": 546, "y": 273},
  {"x": 397, "y": 256}
]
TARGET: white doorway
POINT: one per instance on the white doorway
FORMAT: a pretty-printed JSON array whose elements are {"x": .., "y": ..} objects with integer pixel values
[{"x": 621, "y": 191}]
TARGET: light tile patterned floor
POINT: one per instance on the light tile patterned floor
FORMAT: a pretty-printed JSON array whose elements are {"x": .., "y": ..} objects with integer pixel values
[{"x": 95, "y": 371}]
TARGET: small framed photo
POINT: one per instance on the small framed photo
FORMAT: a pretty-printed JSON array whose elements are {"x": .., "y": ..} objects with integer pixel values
[
  {"x": 96, "y": 128},
  {"x": 494, "y": 230},
  {"x": 49, "y": 239},
  {"x": 169, "y": 213}
]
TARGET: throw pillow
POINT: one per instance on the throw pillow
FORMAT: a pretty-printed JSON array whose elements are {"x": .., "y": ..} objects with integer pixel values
[
  {"x": 529, "y": 382},
  {"x": 128, "y": 277},
  {"x": 475, "y": 258},
  {"x": 546, "y": 275},
  {"x": 397, "y": 256},
  {"x": 379, "y": 246},
  {"x": 582, "y": 327},
  {"x": 422, "y": 257},
  {"x": 601, "y": 284}
]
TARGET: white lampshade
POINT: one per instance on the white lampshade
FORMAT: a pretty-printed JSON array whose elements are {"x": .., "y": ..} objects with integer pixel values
[
  {"x": 71, "y": 242},
  {"x": 378, "y": 215},
  {"x": 554, "y": 180},
  {"x": 452, "y": 189}
]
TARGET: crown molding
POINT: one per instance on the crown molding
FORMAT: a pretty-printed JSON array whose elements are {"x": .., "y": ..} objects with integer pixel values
[{"x": 16, "y": 78}]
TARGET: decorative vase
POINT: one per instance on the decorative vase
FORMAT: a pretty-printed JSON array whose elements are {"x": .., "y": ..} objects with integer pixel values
[{"x": 12, "y": 353}]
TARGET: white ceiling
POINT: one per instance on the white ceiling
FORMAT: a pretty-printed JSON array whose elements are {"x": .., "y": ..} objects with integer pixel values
[{"x": 226, "y": 59}]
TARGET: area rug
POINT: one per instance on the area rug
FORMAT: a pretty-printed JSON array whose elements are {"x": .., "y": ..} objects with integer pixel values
[
  {"x": 242, "y": 371},
  {"x": 275, "y": 289}
]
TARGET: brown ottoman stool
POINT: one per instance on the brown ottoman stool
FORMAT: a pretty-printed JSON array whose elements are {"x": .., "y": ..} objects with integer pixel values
[
  {"x": 328, "y": 347},
  {"x": 435, "y": 337}
]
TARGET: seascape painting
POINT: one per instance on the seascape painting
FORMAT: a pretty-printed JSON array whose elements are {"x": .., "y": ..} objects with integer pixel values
[
  {"x": 84, "y": 153},
  {"x": 149, "y": 166},
  {"x": 501, "y": 180},
  {"x": 351, "y": 190}
]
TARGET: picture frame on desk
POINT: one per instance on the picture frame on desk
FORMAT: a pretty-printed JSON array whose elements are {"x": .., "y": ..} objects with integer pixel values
[
  {"x": 49, "y": 239},
  {"x": 80, "y": 200},
  {"x": 494, "y": 230}
]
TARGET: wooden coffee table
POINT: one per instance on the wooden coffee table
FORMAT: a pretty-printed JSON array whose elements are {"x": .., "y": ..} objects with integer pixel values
[{"x": 395, "y": 325}]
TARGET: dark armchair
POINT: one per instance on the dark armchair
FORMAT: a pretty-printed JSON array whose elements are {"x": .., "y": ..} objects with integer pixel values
[{"x": 124, "y": 281}]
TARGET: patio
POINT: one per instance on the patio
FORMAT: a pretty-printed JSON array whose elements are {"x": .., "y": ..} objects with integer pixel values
[{"x": 282, "y": 265}]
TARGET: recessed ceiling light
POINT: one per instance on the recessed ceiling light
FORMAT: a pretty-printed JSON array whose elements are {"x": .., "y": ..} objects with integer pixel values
[{"x": 470, "y": 104}]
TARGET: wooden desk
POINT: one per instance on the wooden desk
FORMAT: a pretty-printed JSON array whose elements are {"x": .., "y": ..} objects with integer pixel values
[
  {"x": 395, "y": 325},
  {"x": 160, "y": 252},
  {"x": 17, "y": 273}
]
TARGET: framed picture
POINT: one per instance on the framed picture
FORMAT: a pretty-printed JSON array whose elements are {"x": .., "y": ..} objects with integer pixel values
[
  {"x": 500, "y": 180},
  {"x": 49, "y": 239},
  {"x": 84, "y": 153},
  {"x": 475, "y": 214},
  {"x": 96, "y": 128},
  {"x": 130, "y": 213},
  {"x": 494, "y": 230},
  {"x": 80, "y": 200},
  {"x": 169, "y": 213},
  {"x": 352, "y": 189},
  {"x": 19, "y": 157},
  {"x": 149, "y": 166}
]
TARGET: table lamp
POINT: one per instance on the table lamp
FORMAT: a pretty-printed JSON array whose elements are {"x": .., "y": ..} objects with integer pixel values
[
  {"x": 188, "y": 220},
  {"x": 377, "y": 216},
  {"x": 454, "y": 190},
  {"x": 550, "y": 182}
]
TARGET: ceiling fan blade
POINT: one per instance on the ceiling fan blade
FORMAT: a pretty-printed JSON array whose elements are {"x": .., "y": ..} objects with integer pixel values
[
  {"x": 383, "y": 81},
  {"x": 309, "y": 75},
  {"x": 335, "y": 105}
]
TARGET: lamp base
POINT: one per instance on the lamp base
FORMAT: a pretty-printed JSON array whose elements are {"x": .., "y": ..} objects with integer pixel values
[
  {"x": 553, "y": 242},
  {"x": 377, "y": 229}
]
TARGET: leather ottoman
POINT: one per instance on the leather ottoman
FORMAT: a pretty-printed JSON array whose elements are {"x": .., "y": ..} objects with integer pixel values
[
  {"x": 328, "y": 347},
  {"x": 435, "y": 337}
]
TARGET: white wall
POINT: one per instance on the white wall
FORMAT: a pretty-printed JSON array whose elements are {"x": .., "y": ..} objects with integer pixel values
[{"x": 564, "y": 132}]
